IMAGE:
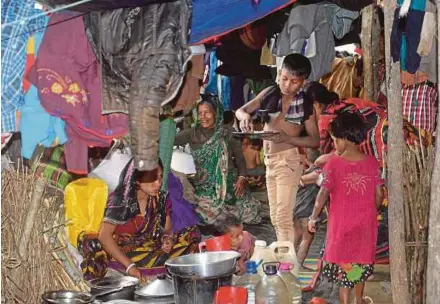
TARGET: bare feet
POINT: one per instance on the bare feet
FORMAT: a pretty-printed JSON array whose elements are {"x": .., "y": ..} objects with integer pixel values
[{"x": 303, "y": 268}]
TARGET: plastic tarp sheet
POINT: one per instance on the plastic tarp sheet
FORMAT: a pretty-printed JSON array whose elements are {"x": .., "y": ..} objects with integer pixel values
[
  {"x": 100, "y": 5},
  {"x": 211, "y": 18}
]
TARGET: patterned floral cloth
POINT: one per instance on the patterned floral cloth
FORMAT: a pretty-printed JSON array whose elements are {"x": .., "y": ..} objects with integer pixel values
[{"x": 347, "y": 275}]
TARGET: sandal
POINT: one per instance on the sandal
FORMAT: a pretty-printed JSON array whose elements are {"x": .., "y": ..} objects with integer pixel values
[{"x": 367, "y": 300}]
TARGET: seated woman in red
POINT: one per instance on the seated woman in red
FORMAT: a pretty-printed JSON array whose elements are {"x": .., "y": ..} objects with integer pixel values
[{"x": 136, "y": 235}]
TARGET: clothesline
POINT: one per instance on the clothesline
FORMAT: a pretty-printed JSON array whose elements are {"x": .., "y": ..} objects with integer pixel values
[
  {"x": 54, "y": 10},
  {"x": 45, "y": 27}
]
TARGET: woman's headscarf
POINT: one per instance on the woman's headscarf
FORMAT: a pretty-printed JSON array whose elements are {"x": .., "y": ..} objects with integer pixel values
[
  {"x": 122, "y": 203},
  {"x": 216, "y": 106}
]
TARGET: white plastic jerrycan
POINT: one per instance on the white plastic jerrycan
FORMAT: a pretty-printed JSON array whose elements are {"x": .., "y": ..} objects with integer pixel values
[
  {"x": 285, "y": 252},
  {"x": 262, "y": 254}
]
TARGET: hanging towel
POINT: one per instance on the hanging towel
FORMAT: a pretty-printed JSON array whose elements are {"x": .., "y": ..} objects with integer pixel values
[{"x": 167, "y": 134}]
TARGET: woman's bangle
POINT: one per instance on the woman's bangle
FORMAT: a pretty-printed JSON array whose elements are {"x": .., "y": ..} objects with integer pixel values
[
  {"x": 312, "y": 221},
  {"x": 129, "y": 267}
]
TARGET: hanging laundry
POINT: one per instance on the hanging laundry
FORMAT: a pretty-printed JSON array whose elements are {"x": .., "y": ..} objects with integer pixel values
[
  {"x": 15, "y": 36},
  {"x": 36, "y": 125},
  {"x": 343, "y": 77},
  {"x": 405, "y": 39},
  {"x": 304, "y": 20},
  {"x": 237, "y": 92},
  {"x": 340, "y": 18},
  {"x": 218, "y": 85},
  {"x": 239, "y": 59},
  {"x": 419, "y": 104},
  {"x": 167, "y": 134},
  {"x": 190, "y": 91},
  {"x": 144, "y": 60},
  {"x": 266, "y": 57},
  {"x": 66, "y": 74}
]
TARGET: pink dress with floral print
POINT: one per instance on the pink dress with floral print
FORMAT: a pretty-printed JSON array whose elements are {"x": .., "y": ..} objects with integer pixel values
[{"x": 352, "y": 222}]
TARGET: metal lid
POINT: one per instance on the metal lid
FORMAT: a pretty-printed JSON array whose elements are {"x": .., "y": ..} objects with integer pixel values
[{"x": 160, "y": 287}]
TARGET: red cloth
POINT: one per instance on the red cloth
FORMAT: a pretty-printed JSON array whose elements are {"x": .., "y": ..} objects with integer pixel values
[
  {"x": 136, "y": 224},
  {"x": 377, "y": 120},
  {"x": 352, "y": 223}
]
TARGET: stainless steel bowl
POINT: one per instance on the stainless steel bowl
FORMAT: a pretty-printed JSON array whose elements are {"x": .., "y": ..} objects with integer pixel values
[
  {"x": 67, "y": 297},
  {"x": 203, "y": 265}
]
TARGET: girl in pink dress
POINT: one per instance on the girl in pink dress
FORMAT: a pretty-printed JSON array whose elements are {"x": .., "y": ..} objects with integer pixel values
[{"x": 352, "y": 182}]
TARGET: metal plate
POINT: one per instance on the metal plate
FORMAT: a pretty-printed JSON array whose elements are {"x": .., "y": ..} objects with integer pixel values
[{"x": 255, "y": 134}]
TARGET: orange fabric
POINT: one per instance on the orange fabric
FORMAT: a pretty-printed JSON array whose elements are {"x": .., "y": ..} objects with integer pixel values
[
  {"x": 342, "y": 78},
  {"x": 254, "y": 37},
  {"x": 409, "y": 79},
  {"x": 30, "y": 61}
]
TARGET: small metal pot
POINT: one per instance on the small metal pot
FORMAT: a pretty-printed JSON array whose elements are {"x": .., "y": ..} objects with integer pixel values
[{"x": 114, "y": 288}]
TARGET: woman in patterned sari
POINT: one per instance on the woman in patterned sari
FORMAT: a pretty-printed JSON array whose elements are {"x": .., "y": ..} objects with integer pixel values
[
  {"x": 136, "y": 235},
  {"x": 220, "y": 182}
]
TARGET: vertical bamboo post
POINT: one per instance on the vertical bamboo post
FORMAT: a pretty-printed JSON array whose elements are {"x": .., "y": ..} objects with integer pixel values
[
  {"x": 367, "y": 50},
  {"x": 433, "y": 265},
  {"x": 396, "y": 215}
]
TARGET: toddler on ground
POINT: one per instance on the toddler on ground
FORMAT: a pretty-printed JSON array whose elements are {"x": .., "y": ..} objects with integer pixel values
[{"x": 241, "y": 241}]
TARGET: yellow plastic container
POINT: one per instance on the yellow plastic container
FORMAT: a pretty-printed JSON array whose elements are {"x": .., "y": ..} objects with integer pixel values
[{"x": 85, "y": 200}]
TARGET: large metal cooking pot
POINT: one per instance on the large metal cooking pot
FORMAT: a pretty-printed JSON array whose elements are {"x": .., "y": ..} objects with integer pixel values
[
  {"x": 203, "y": 265},
  {"x": 67, "y": 297},
  {"x": 114, "y": 288}
]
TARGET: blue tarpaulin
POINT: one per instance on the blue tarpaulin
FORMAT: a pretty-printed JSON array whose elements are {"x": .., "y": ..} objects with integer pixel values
[{"x": 212, "y": 18}]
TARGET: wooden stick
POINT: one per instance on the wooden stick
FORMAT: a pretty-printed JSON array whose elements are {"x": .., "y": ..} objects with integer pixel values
[
  {"x": 396, "y": 210},
  {"x": 367, "y": 49},
  {"x": 433, "y": 264},
  {"x": 37, "y": 195}
]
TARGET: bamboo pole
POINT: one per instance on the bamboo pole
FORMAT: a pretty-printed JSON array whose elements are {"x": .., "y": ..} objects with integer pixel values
[
  {"x": 367, "y": 50},
  {"x": 396, "y": 210},
  {"x": 433, "y": 265}
]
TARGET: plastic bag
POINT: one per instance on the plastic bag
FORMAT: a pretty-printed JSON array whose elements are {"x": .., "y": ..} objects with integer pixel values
[{"x": 112, "y": 165}]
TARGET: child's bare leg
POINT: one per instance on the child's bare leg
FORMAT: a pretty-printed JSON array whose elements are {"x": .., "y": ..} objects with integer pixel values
[
  {"x": 359, "y": 293},
  {"x": 344, "y": 295},
  {"x": 298, "y": 232},
  {"x": 304, "y": 246}
]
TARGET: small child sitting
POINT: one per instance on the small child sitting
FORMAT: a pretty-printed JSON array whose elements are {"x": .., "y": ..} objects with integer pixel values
[
  {"x": 241, "y": 241},
  {"x": 254, "y": 166}
]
